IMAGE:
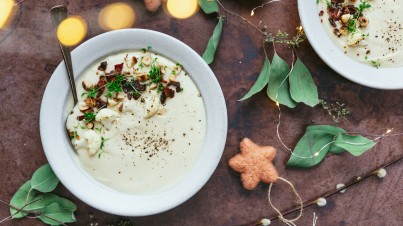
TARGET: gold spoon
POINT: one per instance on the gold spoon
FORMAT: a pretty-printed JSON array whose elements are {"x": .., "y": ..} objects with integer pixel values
[{"x": 58, "y": 14}]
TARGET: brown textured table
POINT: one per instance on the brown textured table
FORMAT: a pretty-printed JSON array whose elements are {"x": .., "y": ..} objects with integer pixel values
[{"x": 29, "y": 54}]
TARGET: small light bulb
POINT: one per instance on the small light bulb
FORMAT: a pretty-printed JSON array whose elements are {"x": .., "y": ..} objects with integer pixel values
[
  {"x": 252, "y": 13},
  {"x": 389, "y": 131},
  {"x": 316, "y": 154},
  {"x": 300, "y": 28},
  {"x": 277, "y": 104}
]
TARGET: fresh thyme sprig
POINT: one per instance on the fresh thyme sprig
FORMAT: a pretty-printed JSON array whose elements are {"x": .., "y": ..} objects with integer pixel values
[
  {"x": 282, "y": 38},
  {"x": 336, "y": 111}
]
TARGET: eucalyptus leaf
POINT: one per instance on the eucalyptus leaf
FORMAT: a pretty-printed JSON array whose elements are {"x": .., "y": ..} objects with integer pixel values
[
  {"x": 57, "y": 212},
  {"x": 208, "y": 6},
  {"x": 213, "y": 42},
  {"x": 356, "y": 145},
  {"x": 311, "y": 149},
  {"x": 44, "y": 200},
  {"x": 21, "y": 198},
  {"x": 261, "y": 81},
  {"x": 334, "y": 149},
  {"x": 278, "y": 88},
  {"x": 302, "y": 86},
  {"x": 326, "y": 129},
  {"x": 44, "y": 179}
]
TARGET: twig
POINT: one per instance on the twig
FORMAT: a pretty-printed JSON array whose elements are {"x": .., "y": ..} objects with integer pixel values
[
  {"x": 241, "y": 17},
  {"x": 31, "y": 212},
  {"x": 330, "y": 193}
]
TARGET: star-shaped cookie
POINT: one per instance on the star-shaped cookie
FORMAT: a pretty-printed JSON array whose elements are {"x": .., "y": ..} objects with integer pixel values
[{"x": 255, "y": 164}]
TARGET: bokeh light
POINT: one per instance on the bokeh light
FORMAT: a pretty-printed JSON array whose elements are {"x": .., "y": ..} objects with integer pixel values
[
  {"x": 182, "y": 9},
  {"x": 6, "y": 7},
  {"x": 72, "y": 31},
  {"x": 116, "y": 16}
]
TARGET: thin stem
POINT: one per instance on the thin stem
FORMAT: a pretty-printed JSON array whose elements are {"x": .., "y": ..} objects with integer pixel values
[
  {"x": 333, "y": 192},
  {"x": 31, "y": 212},
  {"x": 241, "y": 17}
]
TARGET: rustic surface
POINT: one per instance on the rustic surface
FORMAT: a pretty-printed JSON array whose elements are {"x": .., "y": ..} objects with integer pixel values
[{"x": 29, "y": 54}]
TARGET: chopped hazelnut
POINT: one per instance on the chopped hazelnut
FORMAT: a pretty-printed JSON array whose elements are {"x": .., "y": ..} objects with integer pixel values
[
  {"x": 363, "y": 21},
  {"x": 146, "y": 60}
]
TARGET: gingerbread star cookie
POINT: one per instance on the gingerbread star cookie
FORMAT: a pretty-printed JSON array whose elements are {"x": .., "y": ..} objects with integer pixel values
[{"x": 255, "y": 164}]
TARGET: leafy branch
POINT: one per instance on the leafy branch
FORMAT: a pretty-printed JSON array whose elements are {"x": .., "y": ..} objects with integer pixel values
[
  {"x": 319, "y": 140},
  {"x": 34, "y": 198},
  {"x": 284, "y": 85}
]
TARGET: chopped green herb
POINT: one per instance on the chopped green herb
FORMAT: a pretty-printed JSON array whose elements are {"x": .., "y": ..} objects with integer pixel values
[
  {"x": 89, "y": 116},
  {"x": 102, "y": 147},
  {"x": 114, "y": 86},
  {"x": 352, "y": 25},
  {"x": 78, "y": 125},
  {"x": 173, "y": 72},
  {"x": 91, "y": 93},
  {"x": 99, "y": 129},
  {"x": 155, "y": 75},
  {"x": 180, "y": 65},
  {"x": 361, "y": 7},
  {"x": 141, "y": 65},
  {"x": 375, "y": 63}
]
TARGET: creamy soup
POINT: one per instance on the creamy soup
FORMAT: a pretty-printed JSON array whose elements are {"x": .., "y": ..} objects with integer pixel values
[
  {"x": 140, "y": 123},
  {"x": 369, "y": 31}
]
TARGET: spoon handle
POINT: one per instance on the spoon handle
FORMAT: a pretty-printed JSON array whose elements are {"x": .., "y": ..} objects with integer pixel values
[{"x": 58, "y": 14}]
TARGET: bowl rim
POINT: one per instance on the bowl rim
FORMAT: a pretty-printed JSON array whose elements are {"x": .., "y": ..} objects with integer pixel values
[
  {"x": 61, "y": 155},
  {"x": 366, "y": 75}
]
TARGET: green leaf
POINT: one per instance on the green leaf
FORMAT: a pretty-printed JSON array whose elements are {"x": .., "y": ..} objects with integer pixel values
[
  {"x": 326, "y": 129},
  {"x": 57, "y": 212},
  {"x": 47, "y": 199},
  {"x": 302, "y": 86},
  {"x": 311, "y": 149},
  {"x": 356, "y": 145},
  {"x": 278, "y": 89},
  {"x": 336, "y": 150},
  {"x": 213, "y": 42},
  {"x": 21, "y": 198},
  {"x": 261, "y": 81},
  {"x": 208, "y": 6},
  {"x": 44, "y": 179}
]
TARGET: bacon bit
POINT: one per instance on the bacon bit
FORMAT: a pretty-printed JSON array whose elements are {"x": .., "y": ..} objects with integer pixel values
[
  {"x": 110, "y": 78},
  {"x": 100, "y": 91},
  {"x": 138, "y": 86},
  {"x": 177, "y": 85},
  {"x": 321, "y": 13},
  {"x": 336, "y": 32},
  {"x": 163, "y": 98},
  {"x": 136, "y": 95},
  {"x": 99, "y": 103},
  {"x": 119, "y": 68},
  {"x": 80, "y": 118},
  {"x": 332, "y": 22},
  {"x": 169, "y": 93},
  {"x": 102, "y": 66},
  {"x": 126, "y": 87},
  {"x": 101, "y": 82},
  {"x": 130, "y": 95}
]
